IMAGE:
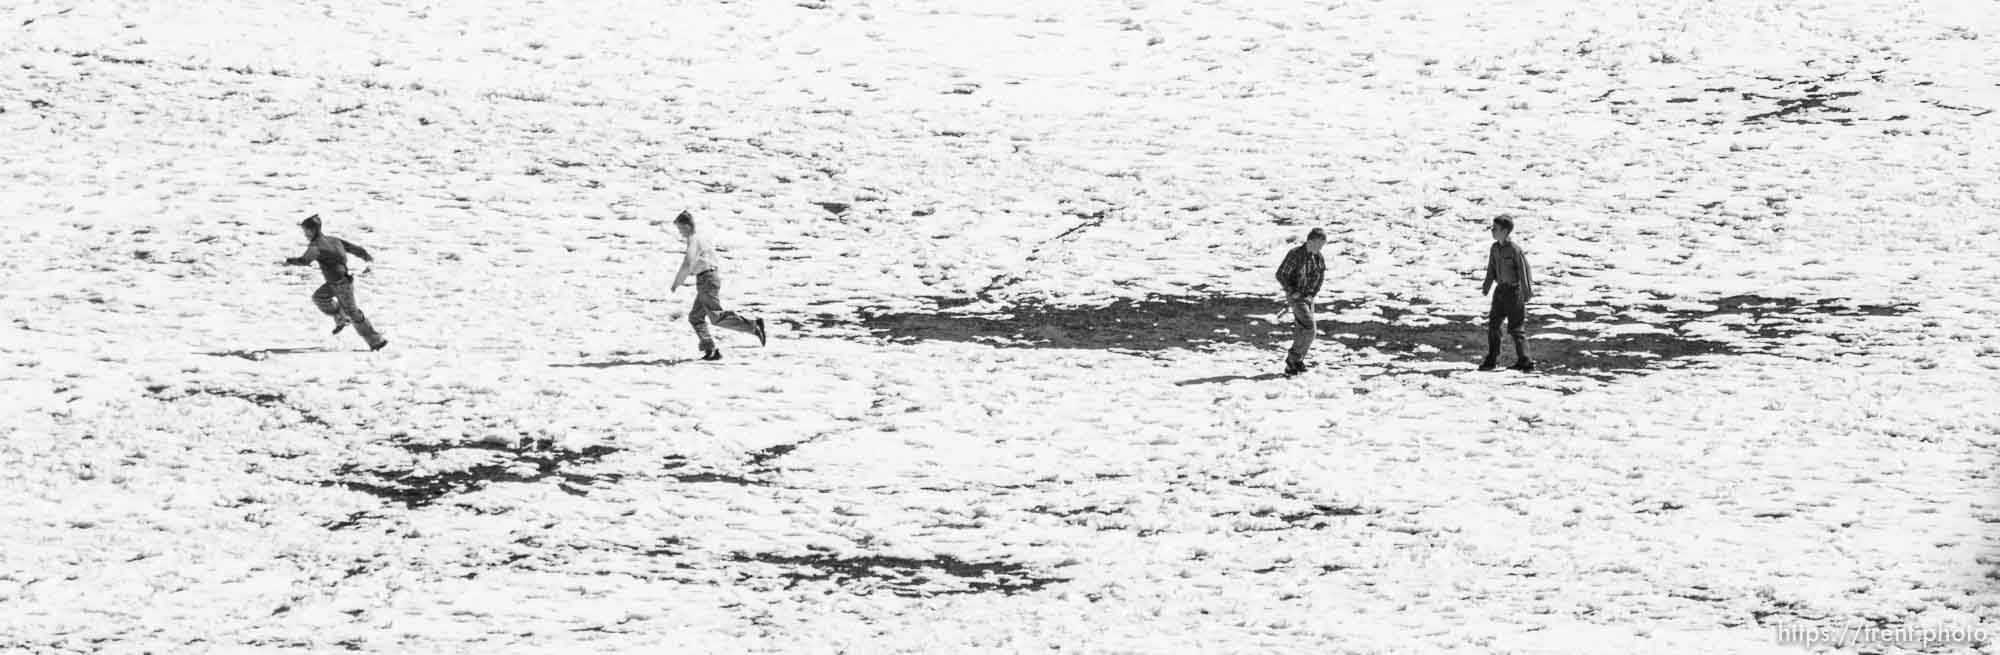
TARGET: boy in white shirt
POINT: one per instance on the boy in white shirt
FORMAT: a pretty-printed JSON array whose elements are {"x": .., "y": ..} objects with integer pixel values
[{"x": 702, "y": 263}]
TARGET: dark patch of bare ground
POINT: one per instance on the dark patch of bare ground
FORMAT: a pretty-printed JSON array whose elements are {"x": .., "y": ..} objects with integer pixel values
[
  {"x": 756, "y": 470},
  {"x": 902, "y": 576},
  {"x": 531, "y": 463},
  {"x": 258, "y": 354},
  {"x": 1159, "y": 323},
  {"x": 939, "y": 575}
]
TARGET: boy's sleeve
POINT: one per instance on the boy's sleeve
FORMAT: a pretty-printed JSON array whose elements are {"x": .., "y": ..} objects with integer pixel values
[
  {"x": 687, "y": 261},
  {"x": 1527, "y": 279},
  {"x": 1288, "y": 271},
  {"x": 312, "y": 253},
  {"x": 1486, "y": 284},
  {"x": 357, "y": 251}
]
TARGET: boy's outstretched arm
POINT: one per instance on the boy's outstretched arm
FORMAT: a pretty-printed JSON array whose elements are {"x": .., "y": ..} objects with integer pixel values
[
  {"x": 357, "y": 251},
  {"x": 312, "y": 253},
  {"x": 687, "y": 262}
]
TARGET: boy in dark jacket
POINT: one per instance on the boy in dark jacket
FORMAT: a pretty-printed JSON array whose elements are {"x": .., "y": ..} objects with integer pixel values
[
  {"x": 1300, "y": 274},
  {"x": 336, "y": 297},
  {"x": 1507, "y": 266}
]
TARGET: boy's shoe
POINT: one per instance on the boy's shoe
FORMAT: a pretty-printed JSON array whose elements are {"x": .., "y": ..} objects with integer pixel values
[
  {"x": 339, "y": 324},
  {"x": 378, "y": 345},
  {"x": 1294, "y": 367},
  {"x": 1524, "y": 366},
  {"x": 1488, "y": 364},
  {"x": 713, "y": 355},
  {"x": 761, "y": 340}
]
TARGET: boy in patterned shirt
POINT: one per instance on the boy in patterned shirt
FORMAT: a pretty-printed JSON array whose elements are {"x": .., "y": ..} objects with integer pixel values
[{"x": 1300, "y": 275}]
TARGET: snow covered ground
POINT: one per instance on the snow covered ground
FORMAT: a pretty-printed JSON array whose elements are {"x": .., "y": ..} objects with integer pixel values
[{"x": 1021, "y": 394}]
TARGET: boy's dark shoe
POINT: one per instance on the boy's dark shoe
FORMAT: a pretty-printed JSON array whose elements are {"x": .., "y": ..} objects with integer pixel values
[
  {"x": 378, "y": 345},
  {"x": 1524, "y": 366},
  {"x": 1295, "y": 367},
  {"x": 713, "y": 355},
  {"x": 761, "y": 337},
  {"x": 339, "y": 324},
  {"x": 1488, "y": 364}
]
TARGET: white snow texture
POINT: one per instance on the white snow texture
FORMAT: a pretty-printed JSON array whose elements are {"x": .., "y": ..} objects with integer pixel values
[{"x": 1021, "y": 393}]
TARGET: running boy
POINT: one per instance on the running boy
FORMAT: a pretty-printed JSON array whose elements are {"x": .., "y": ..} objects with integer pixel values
[
  {"x": 702, "y": 262},
  {"x": 1507, "y": 266},
  {"x": 336, "y": 297}
]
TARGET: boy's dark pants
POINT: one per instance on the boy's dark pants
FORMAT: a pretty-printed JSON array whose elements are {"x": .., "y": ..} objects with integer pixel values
[
  {"x": 1507, "y": 306},
  {"x": 337, "y": 299},
  {"x": 1303, "y": 327},
  {"x": 707, "y": 303}
]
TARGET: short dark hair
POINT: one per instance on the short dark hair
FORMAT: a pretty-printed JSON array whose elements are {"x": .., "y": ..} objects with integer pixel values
[
  {"x": 685, "y": 217},
  {"x": 1504, "y": 222},
  {"x": 1316, "y": 233}
]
